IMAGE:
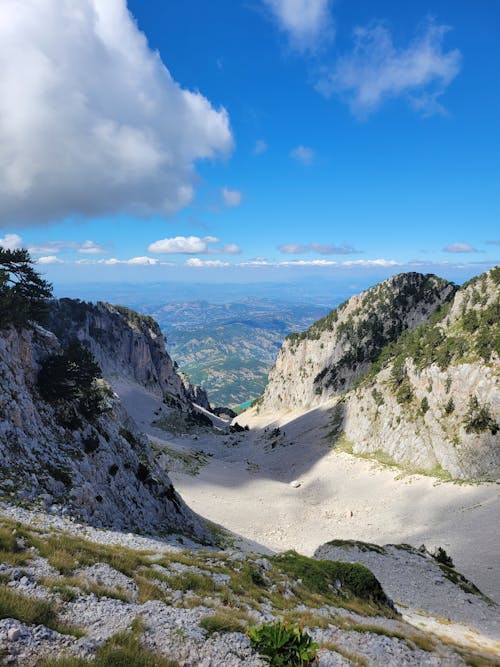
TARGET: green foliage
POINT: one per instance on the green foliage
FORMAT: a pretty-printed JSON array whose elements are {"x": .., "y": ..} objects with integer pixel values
[
  {"x": 284, "y": 645},
  {"x": 23, "y": 293},
  {"x": 71, "y": 377},
  {"x": 479, "y": 419},
  {"x": 449, "y": 408},
  {"x": 221, "y": 622},
  {"x": 322, "y": 576},
  {"x": 424, "y": 405},
  {"x": 442, "y": 557}
]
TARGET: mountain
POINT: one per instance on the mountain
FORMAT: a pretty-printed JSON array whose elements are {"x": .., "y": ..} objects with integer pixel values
[
  {"x": 66, "y": 440},
  {"x": 408, "y": 370}
]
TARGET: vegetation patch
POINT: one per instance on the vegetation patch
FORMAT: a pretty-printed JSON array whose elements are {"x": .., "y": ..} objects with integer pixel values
[
  {"x": 284, "y": 645},
  {"x": 362, "y": 546},
  {"x": 337, "y": 579},
  {"x": 122, "y": 650},
  {"x": 222, "y": 621}
]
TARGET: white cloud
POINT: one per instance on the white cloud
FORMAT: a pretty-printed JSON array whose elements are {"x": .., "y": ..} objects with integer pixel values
[
  {"x": 11, "y": 242},
  {"x": 307, "y": 23},
  {"x": 92, "y": 122},
  {"x": 49, "y": 259},
  {"x": 321, "y": 248},
  {"x": 192, "y": 245},
  {"x": 375, "y": 69},
  {"x": 231, "y": 197},
  {"x": 260, "y": 147},
  {"x": 144, "y": 261},
  {"x": 198, "y": 263},
  {"x": 459, "y": 247},
  {"x": 303, "y": 154},
  {"x": 231, "y": 249},
  {"x": 184, "y": 245},
  {"x": 91, "y": 248}
]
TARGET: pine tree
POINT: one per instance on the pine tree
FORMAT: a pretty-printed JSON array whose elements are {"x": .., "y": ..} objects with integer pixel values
[{"x": 23, "y": 293}]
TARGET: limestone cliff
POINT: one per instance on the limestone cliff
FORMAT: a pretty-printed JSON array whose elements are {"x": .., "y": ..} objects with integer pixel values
[
  {"x": 432, "y": 400},
  {"x": 99, "y": 467},
  {"x": 128, "y": 346}
]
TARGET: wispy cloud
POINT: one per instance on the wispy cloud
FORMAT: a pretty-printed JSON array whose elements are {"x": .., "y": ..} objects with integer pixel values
[
  {"x": 321, "y": 248},
  {"x": 493, "y": 242},
  {"x": 231, "y": 197},
  {"x": 303, "y": 154},
  {"x": 260, "y": 147},
  {"x": 376, "y": 69},
  {"x": 308, "y": 24},
  {"x": 459, "y": 247},
  {"x": 65, "y": 130},
  {"x": 198, "y": 263},
  {"x": 49, "y": 259},
  {"x": 11, "y": 242}
]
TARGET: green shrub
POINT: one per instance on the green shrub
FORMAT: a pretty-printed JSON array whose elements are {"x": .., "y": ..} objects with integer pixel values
[
  {"x": 478, "y": 418},
  {"x": 442, "y": 557},
  {"x": 325, "y": 576},
  {"x": 283, "y": 645}
]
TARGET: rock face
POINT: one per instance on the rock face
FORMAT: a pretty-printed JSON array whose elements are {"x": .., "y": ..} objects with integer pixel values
[
  {"x": 434, "y": 402},
  {"x": 325, "y": 360},
  {"x": 126, "y": 345},
  {"x": 414, "y": 363},
  {"x": 100, "y": 469}
]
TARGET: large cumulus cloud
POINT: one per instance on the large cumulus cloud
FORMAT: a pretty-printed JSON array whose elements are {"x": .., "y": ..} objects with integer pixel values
[{"x": 91, "y": 121}]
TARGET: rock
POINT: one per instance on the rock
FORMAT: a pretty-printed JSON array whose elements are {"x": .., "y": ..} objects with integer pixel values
[
  {"x": 13, "y": 634},
  {"x": 295, "y": 484}
]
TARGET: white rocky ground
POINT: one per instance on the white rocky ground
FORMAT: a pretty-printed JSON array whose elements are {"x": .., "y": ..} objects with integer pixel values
[{"x": 171, "y": 626}]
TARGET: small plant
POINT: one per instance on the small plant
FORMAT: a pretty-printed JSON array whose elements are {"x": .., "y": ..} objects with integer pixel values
[
  {"x": 284, "y": 645},
  {"x": 442, "y": 557}
]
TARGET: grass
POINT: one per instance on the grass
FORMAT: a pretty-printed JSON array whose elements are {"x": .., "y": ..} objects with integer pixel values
[
  {"x": 348, "y": 584},
  {"x": 67, "y": 553},
  {"x": 122, "y": 650},
  {"x": 11, "y": 552},
  {"x": 14, "y": 604},
  {"x": 354, "y": 658},
  {"x": 65, "y": 587},
  {"x": 224, "y": 621},
  {"x": 362, "y": 546}
]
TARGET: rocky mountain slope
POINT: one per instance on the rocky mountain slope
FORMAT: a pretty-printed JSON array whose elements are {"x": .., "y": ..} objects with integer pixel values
[
  {"x": 325, "y": 360},
  {"x": 130, "y": 600},
  {"x": 409, "y": 371},
  {"x": 126, "y": 345},
  {"x": 79, "y": 451}
]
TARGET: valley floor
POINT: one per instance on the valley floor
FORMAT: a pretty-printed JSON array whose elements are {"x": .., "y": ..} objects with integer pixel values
[{"x": 243, "y": 482}]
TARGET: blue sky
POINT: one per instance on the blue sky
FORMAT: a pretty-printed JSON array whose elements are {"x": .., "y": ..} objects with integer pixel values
[{"x": 287, "y": 138}]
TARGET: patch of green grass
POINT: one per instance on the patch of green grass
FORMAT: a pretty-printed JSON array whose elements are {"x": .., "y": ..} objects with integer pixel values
[
  {"x": 67, "y": 552},
  {"x": 14, "y": 604},
  {"x": 10, "y": 550},
  {"x": 200, "y": 584},
  {"x": 222, "y": 621},
  {"x": 65, "y": 587},
  {"x": 354, "y": 658},
  {"x": 347, "y": 582},
  {"x": 122, "y": 650},
  {"x": 362, "y": 546}
]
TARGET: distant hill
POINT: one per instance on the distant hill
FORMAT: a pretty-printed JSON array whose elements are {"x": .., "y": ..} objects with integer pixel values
[{"x": 229, "y": 349}]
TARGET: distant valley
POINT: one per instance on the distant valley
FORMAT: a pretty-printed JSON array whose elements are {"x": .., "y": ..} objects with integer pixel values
[{"x": 229, "y": 348}]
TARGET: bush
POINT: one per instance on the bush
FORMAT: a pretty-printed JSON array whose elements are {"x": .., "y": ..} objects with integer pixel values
[
  {"x": 478, "y": 418},
  {"x": 283, "y": 645},
  {"x": 442, "y": 557}
]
